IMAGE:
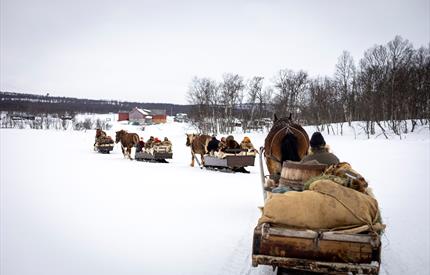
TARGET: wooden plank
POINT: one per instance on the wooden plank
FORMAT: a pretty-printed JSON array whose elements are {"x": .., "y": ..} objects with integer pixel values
[
  {"x": 156, "y": 156},
  {"x": 214, "y": 161},
  {"x": 358, "y": 238},
  {"x": 240, "y": 161},
  {"x": 308, "y": 234},
  {"x": 316, "y": 249}
]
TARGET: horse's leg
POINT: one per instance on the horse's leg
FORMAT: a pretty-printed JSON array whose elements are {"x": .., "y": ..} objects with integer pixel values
[
  {"x": 192, "y": 158},
  {"x": 122, "y": 149},
  {"x": 129, "y": 152},
  {"x": 203, "y": 159}
]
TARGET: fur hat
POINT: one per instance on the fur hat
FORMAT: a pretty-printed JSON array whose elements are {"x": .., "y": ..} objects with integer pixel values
[{"x": 317, "y": 140}]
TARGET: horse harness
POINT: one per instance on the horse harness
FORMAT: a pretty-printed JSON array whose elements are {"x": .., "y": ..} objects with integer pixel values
[{"x": 288, "y": 128}]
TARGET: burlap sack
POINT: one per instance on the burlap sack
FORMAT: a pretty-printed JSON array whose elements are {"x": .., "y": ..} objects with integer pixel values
[{"x": 327, "y": 205}]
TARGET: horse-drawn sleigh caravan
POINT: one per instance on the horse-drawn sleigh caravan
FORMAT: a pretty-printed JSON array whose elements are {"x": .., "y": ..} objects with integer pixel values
[
  {"x": 315, "y": 218},
  {"x": 225, "y": 159},
  {"x": 154, "y": 151}
]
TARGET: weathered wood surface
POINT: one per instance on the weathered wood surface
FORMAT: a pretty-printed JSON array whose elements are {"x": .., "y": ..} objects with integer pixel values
[
  {"x": 294, "y": 175},
  {"x": 230, "y": 161},
  {"x": 104, "y": 148},
  {"x": 279, "y": 245},
  {"x": 317, "y": 266},
  {"x": 156, "y": 156}
]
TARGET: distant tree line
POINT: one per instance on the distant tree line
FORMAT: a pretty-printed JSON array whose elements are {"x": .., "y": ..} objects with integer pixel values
[
  {"x": 68, "y": 106},
  {"x": 48, "y": 121},
  {"x": 389, "y": 85}
]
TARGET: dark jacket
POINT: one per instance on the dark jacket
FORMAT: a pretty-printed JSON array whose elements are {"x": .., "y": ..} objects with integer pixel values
[
  {"x": 213, "y": 145},
  {"x": 140, "y": 146},
  {"x": 231, "y": 143},
  {"x": 322, "y": 155}
]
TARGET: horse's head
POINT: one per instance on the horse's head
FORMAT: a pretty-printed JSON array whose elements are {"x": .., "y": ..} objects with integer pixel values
[
  {"x": 119, "y": 135},
  {"x": 282, "y": 120},
  {"x": 190, "y": 138},
  {"x": 277, "y": 141}
]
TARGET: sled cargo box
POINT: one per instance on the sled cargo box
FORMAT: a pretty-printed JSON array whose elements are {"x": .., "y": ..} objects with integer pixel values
[
  {"x": 104, "y": 148},
  {"x": 231, "y": 160},
  {"x": 321, "y": 252},
  {"x": 158, "y": 152}
]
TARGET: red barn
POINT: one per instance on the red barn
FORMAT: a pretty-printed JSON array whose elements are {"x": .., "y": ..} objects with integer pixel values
[
  {"x": 123, "y": 116},
  {"x": 158, "y": 116}
]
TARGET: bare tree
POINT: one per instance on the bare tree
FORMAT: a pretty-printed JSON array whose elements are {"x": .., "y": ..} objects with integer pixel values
[
  {"x": 253, "y": 87},
  {"x": 345, "y": 78},
  {"x": 203, "y": 95},
  {"x": 230, "y": 89},
  {"x": 290, "y": 86}
]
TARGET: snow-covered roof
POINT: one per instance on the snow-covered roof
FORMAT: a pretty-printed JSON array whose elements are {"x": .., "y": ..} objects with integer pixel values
[
  {"x": 158, "y": 112},
  {"x": 142, "y": 111}
]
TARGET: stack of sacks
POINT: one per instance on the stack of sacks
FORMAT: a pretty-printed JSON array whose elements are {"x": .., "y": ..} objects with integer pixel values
[{"x": 325, "y": 206}]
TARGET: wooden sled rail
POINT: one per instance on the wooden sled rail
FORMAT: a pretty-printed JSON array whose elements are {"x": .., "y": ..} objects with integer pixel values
[
  {"x": 374, "y": 240},
  {"x": 316, "y": 266}
]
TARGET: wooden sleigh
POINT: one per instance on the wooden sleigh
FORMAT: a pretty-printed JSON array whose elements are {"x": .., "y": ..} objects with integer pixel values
[
  {"x": 301, "y": 250},
  {"x": 104, "y": 146},
  {"x": 230, "y": 160},
  {"x": 158, "y": 153}
]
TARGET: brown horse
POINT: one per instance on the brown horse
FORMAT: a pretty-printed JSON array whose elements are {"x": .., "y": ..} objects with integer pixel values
[
  {"x": 128, "y": 140},
  {"x": 198, "y": 144},
  {"x": 285, "y": 141}
]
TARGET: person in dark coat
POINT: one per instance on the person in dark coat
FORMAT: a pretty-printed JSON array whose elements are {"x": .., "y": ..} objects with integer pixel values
[
  {"x": 231, "y": 143},
  {"x": 140, "y": 145},
  {"x": 213, "y": 145},
  {"x": 319, "y": 151}
]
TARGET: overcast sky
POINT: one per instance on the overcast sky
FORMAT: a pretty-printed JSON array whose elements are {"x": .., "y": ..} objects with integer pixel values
[{"x": 148, "y": 51}]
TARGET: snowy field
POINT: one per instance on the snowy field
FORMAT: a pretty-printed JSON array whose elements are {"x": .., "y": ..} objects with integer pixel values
[{"x": 66, "y": 209}]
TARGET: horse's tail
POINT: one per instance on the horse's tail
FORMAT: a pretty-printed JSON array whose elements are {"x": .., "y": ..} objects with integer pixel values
[
  {"x": 289, "y": 148},
  {"x": 135, "y": 139}
]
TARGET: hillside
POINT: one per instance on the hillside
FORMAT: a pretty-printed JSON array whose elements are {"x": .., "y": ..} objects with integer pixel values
[{"x": 35, "y": 104}]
